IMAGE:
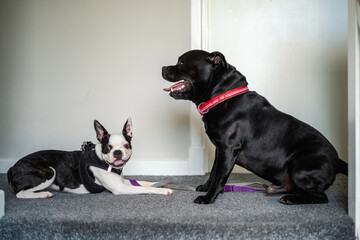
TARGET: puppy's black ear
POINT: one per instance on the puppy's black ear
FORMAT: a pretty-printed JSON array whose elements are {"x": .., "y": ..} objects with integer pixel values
[
  {"x": 128, "y": 130},
  {"x": 100, "y": 131},
  {"x": 218, "y": 59}
]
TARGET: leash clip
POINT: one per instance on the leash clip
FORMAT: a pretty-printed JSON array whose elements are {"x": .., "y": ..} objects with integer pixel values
[{"x": 229, "y": 188}]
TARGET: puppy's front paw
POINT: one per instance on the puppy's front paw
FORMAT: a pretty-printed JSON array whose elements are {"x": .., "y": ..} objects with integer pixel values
[
  {"x": 203, "y": 200},
  {"x": 45, "y": 194},
  {"x": 166, "y": 191},
  {"x": 202, "y": 188}
]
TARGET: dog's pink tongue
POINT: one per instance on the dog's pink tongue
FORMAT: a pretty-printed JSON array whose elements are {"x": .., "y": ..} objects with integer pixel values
[
  {"x": 177, "y": 86},
  {"x": 118, "y": 162}
]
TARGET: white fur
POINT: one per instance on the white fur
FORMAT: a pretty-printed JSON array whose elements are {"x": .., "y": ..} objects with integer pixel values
[
  {"x": 80, "y": 190},
  {"x": 116, "y": 184}
]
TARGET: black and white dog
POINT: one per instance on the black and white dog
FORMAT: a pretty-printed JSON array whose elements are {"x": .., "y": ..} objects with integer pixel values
[
  {"x": 80, "y": 172},
  {"x": 248, "y": 131}
]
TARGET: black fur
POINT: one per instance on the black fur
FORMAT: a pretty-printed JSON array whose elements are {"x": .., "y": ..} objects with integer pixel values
[
  {"x": 34, "y": 169},
  {"x": 247, "y": 130}
]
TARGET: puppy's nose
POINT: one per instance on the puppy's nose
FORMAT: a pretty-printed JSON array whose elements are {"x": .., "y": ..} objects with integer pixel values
[{"x": 117, "y": 153}]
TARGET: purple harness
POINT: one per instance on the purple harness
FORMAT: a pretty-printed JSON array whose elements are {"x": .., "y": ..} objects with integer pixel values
[{"x": 134, "y": 182}]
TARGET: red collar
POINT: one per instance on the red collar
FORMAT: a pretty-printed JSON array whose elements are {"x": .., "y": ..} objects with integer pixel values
[{"x": 204, "y": 107}]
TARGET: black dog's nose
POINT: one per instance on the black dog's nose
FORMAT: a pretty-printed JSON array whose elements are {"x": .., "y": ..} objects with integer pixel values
[
  {"x": 117, "y": 153},
  {"x": 164, "y": 70}
]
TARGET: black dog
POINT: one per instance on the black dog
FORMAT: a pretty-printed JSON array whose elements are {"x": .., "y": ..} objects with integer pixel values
[{"x": 247, "y": 130}]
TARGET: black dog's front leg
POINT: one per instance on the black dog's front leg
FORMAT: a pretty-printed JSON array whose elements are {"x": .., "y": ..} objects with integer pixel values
[
  {"x": 225, "y": 162},
  {"x": 206, "y": 186}
]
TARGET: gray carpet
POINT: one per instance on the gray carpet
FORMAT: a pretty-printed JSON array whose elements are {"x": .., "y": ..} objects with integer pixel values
[{"x": 237, "y": 215}]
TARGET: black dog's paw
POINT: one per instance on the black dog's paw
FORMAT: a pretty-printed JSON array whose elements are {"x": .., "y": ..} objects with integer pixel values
[
  {"x": 202, "y": 188},
  {"x": 304, "y": 199},
  {"x": 203, "y": 200},
  {"x": 287, "y": 200}
]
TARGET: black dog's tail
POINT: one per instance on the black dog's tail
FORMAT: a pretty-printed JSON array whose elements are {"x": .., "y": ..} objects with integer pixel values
[{"x": 342, "y": 167}]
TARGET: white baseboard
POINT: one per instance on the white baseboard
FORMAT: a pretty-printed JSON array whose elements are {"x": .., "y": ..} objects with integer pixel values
[
  {"x": 196, "y": 161},
  {"x": 140, "y": 167},
  {"x": 238, "y": 169},
  {"x": 171, "y": 167},
  {"x": 157, "y": 168}
]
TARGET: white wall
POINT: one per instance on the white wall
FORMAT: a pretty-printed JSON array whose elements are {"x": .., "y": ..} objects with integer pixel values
[
  {"x": 354, "y": 112},
  {"x": 292, "y": 52},
  {"x": 65, "y": 63}
]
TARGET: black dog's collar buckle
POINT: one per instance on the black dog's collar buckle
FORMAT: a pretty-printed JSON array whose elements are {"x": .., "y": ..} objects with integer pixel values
[{"x": 199, "y": 107}]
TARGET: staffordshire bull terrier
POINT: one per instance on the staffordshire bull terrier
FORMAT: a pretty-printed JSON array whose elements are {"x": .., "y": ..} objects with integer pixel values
[{"x": 247, "y": 130}]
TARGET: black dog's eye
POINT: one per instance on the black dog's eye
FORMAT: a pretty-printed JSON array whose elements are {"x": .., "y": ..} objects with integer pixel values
[
  {"x": 180, "y": 62},
  {"x": 126, "y": 146}
]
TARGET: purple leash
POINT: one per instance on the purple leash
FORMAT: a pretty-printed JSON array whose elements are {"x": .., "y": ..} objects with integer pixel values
[
  {"x": 246, "y": 187},
  {"x": 233, "y": 188}
]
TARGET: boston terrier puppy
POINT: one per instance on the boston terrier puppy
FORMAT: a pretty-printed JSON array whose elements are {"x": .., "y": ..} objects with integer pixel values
[{"x": 87, "y": 171}]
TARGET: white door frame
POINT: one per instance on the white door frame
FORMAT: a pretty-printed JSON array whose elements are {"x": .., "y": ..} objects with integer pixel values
[
  {"x": 354, "y": 111},
  {"x": 198, "y": 160}
]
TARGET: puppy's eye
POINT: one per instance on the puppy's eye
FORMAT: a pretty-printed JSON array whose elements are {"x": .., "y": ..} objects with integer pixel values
[
  {"x": 180, "y": 62},
  {"x": 127, "y": 146},
  {"x": 108, "y": 148}
]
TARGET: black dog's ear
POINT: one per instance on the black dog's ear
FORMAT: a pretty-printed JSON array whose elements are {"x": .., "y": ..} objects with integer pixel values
[
  {"x": 218, "y": 59},
  {"x": 100, "y": 131},
  {"x": 128, "y": 130}
]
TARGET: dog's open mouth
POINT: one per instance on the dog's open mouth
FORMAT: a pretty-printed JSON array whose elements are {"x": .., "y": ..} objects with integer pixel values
[
  {"x": 119, "y": 163},
  {"x": 182, "y": 86}
]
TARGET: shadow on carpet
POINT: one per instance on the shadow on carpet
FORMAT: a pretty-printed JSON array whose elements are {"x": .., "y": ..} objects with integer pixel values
[{"x": 235, "y": 215}]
